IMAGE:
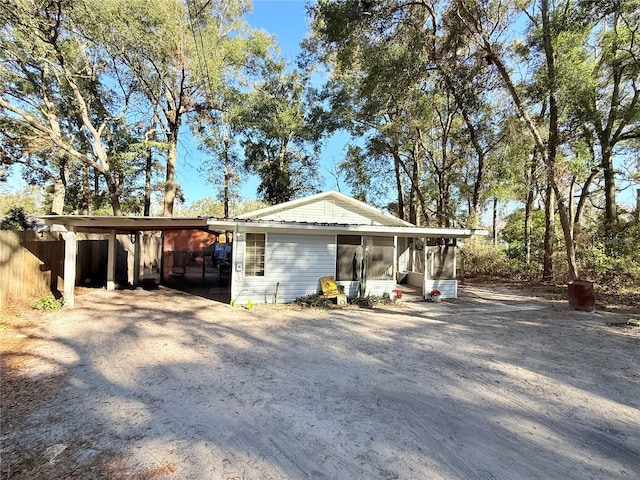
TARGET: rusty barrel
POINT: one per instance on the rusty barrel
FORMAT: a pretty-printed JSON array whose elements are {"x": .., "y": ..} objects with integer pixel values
[{"x": 581, "y": 296}]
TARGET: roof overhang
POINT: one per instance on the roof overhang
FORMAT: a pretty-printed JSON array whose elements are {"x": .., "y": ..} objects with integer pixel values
[
  {"x": 102, "y": 224},
  {"x": 340, "y": 229},
  {"x": 94, "y": 224}
]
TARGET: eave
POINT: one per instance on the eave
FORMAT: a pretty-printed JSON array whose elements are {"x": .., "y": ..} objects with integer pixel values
[
  {"x": 91, "y": 223},
  {"x": 263, "y": 226}
]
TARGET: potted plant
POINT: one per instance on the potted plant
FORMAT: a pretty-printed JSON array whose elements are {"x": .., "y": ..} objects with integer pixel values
[{"x": 435, "y": 295}]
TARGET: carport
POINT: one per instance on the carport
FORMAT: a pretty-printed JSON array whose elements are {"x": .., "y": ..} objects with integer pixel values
[{"x": 70, "y": 225}]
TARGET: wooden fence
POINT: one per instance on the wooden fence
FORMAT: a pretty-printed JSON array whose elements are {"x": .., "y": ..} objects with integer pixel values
[{"x": 31, "y": 265}]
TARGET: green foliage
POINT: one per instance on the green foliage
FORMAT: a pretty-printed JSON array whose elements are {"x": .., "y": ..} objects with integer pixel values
[
  {"x": 367, "y": 301},
  {"x": 513, "y": 234},
  {"x": 319, "y": 301},
  {"x": 212, "y": 207},
  {"x": 24, "y": 199},
  {"x": 279, "y": 139},
  {"x": 17, "y": 219},
  {"x": 478, "y": 256},
  {"x": 49, "y": 303},
  {"x": 611, "y": 257},
  {"x": 311, "y": 301},
  {"x": 90, "y": 89}
]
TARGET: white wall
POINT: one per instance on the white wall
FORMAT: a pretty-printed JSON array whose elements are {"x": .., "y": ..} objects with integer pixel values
[
  {"x": 372, "y": 287},
  {"x": 404, "y": 254},
  {"x": 415, "y": 279},
  {"x": 324, "y": 211},
  {"x": 296, "y": 261},
  {"x": 448, "y": 288}
]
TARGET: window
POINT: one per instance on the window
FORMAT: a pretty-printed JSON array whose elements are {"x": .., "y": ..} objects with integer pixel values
[
  {"x": 380, "y": 253},
  {"x": 441, "y": 260},
  {"x": 371, "y": 257},
  {"x": 349, "y": 259},
  {"x": 254, "y": 255}
]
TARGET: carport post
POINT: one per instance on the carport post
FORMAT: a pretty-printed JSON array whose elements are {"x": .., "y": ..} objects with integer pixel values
[
  {"x": 136, "y": 258},
  {"x": 70, "y": 254},
  {"x": 111, "y": 261}
]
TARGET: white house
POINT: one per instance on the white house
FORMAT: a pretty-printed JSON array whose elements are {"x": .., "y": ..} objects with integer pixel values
[{"x": 281, "y": 252}]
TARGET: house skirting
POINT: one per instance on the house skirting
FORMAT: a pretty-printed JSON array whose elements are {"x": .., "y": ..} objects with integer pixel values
[
  {"x": 371, "y": 287},
  {"x": 447, "y": 288}
]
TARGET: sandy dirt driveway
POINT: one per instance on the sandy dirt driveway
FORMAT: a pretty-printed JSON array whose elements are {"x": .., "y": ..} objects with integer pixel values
[{"x": 498, "y": 384}]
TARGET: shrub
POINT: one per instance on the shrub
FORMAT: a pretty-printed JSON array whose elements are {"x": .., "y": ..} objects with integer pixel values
[
  {"x": 311, "y": 301},
  {"x": 479, "y": 257},
  {"x": 49, "y": 303},
  {"x": 367, "y": 301},
  {"x": 17, "y": 219}
]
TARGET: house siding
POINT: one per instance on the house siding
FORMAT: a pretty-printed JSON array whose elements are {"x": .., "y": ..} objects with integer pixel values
[
  {"x": 373, "y": 287},
  {"x": 325, "y": 211},
  {"x": 448, "y": 288},
  {"x": 294, "y": 264}
]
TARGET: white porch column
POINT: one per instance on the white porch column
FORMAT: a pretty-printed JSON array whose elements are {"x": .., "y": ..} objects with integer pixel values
[
  {"x": 395, "y": 259},
  {"x": 426, "y": 268},
  {"x": 136, "y": 259},
  {"x": 111, "y": 261},
  {"x": 70, "y": 254}
]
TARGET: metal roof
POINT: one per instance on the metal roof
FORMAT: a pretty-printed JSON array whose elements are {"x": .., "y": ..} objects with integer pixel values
[
  {"x": 124, "y": 223},
  {"x": 90, "y": 223},
  {"x": 241, "y": 225}
]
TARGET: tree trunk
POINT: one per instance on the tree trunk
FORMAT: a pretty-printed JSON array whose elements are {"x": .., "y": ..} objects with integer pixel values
[
  {"x": 528, "y": 213},
  {"x": 608, "y": 172},
  {"x": 414, "y": 205},
  {"x": 473, "y": 136},
  {"x": 549, "y": 234},
  {"x": 546, "y": 148},
  {"x": 552, "y": 144},
  {"x": 86, "y": 191},
  {"x": 552, "y": 78},
  {"x": 147, "y": 183},
  {"x": 170, "y": 178},
  {"x": 399, "y": 190},
  {"x": 150, "y": 136},
  {"x": 495, "y": 221},
  {"x": 567, "y": 232},
  {"x": 113, "y": 192},
  {"x": 528, "y": 207},
  {"x": 582, "y": 201},
  {"x": 227, "y": 177},
  {"x": 57, "y": 200}
]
